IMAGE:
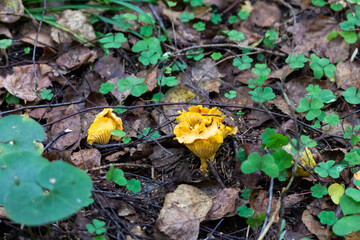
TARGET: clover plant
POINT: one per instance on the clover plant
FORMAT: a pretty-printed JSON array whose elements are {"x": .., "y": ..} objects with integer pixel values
[
  {"x": 117, "y": 176},
  {"x": 137, "y": 85}
]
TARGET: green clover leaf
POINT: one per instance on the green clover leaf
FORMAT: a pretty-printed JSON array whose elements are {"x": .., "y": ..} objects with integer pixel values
[
  {"x": 231, "y": 94},
  {"x": 199, "y": 26},
  {"x": 326, "y": 168},
  {"x": 134, "y": 186},
  {"x": 351, "y": 96},
  {"x": 245, "y": 212},
  {"x": 215, "y": 18},
  {"x": 167, "y": 81},
  {"x": 318, "y": 191},
  {"x": 111, "y": 41},
  {"x": 97, "y": 227},
  {"x": 296, "y": 61},
  {"x": 327, "y": 217},
  {"x": 107, "y": 87},
  {"x": 46, "y": 94},
  {"x": 321, "y": 66},
  {"x": 186, "y": 16},
  {"x": 261, "y": 96},
  {"x": 216, "y": 56},
  {"x": 332, "y": 119},
  {"x": 235, "y": 35},
  {"x": 242, "y": 63}
]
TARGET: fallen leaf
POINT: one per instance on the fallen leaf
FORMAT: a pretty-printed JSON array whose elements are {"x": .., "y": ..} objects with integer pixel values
[
  {"x": 86, "y": 159},
  {"x": 5, "y": 31},
  {"x": 347, "y": 75},
  {"x": 224, "y": 204},
  {"x": 314, "y": 226},
  {"x": 75, "y": 58},
  {"x": 77, "y": 23},
  {"x": 21, "y": 82},
  {"x": 206, "y": 75},
  {"x": 265, "y": 14},
  {"x": 11, "y": 7},
  {"x": 182, "y": 212},
  {"x": 109, "y": 67}
]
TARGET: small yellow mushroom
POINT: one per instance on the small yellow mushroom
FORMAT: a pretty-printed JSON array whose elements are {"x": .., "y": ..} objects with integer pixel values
[
  {"x": 99, "y": 131},
  {"x": 202, "y": 131}
]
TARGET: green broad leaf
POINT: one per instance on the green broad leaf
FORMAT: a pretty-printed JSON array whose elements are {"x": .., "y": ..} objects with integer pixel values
[
  {"x": 232, "y": 19},
  {"x": 118, "y": 133},
  {"x": 17, "y": 168},
  {"x": 354, "y": 140},
  {"x": 336, "y": 6},
  {"x": 20, "y": 133},
  {"x": 138, "y": 90},
  {"x": 246, "y": 193},
  {"x": 351, "y": 95},
  {"x": 321, "y": 66},
  {"x": 107, "y": 87},
  {"x": 146, "y": 31},
  {"x": 283, "y": 175},
  {"x": 27, "y": 50},
  {"x": 147, "y": 18},
  {"x": 199, "y": 26},
  {"x": 215, "y": 18},
  {"x": 318, "y": 191},
  {"x": 231, "y": 94},
  {"x": 235, "y": 35},
  {"x": 296, "y": 61},
  {"x": 308, "y": 142},
  {"x": 46, "y": 94},
  {"x": 110, "y": 174},
  {"x": 149, "y": 57},
  {"x": 324, "y": 168},
  {"x": 353, "y": 157},
  {"x": 151, "y": 43},
  {"x": 124, "y": 83},
  {"x": 186, "y": 16},
  {"x": 261, "y": 96},
  {"x": 327, "y": 96},
  {"x": 126, "y": 140},
  {"x": 332, "y": 35},
  {"x": 251, "y": 164},
  {"x": 97, "y": 227},
  {"x": 303, "y": 106},
  {"x": 243, "y": 15},
  {"x": 196, "y": 54},
  {"x": 5, "y": 43},
  {"x": 11, "y": 99},
  {"x": 268, "y": 166},
  {"x": 241, "y": 155},
  {"x": 356, "y": 182},
  {"x": 157, "y": 98},
  {"x": 282, "y": 159},
  {"x": 167, "y": 81},
  {"x": 245, "y": 212},
  {"x": 171, "y": 3},
  {"x": 319, "y": 3},
  {"x": 113, "y": 41},
  {"x": 243, "y": 63},
  {"x": 349, "y": 36},
  {"x": 216, "y": 56},
  {"x": 120, "y": 110},
  {"x": 327, "y": 217},
  {"x": 261, "y": 70},
  {"x": 256, "y": 220},
  {"x": 353, "y": 193},
  {"x": 346, "y": 225},
  {"x": 349, "y": 205},
  {"x": 196, "y": 3},
  {"x": 134, "y": 186},
  {"x": 146, "y": 132},
  {"x": 177, "y": 66},
  {"x": 60, "y": 191},
  {"x": 270, "y": 37}
]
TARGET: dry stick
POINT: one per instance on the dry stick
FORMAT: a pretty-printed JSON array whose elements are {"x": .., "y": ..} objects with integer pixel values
[
  {"x": 213, "y": 171},
  {"x": 35, "y": 44},
  {"x": 230, "y": 46},
  {"x": 119, "y": 165},
  {"x": 272, "y": 219},
  {"x": 41, "y": 106}
]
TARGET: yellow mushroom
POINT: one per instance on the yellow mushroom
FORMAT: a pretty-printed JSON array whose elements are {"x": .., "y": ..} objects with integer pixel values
[
  {"x": 202, "y": 131},
  {"x": 99, "y": 131}
]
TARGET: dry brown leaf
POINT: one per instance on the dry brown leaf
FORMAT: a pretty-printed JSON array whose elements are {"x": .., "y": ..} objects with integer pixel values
[
  {"x": 22, "y": 82},
  {"x": 265, "y": 14},
  {"x": 313, "y": 225},
  {"x": 183, "y": 211},
  {"x": 73, "y": 123},
  {"x": 109, "y": 67},
  {"x": 161, "y": 159},
  {"x": 2, "y": 213},
  {"x": 206, "y": 75},
  {"x": 92, "y": 159},
  {"x": 77, "y": 22},
  {"x": 347, "y": 75},
  {"x": 151, "y": 78},
  {"x": 5, "y": 31},
  {"x": 75, "y": 58},
  {"x": 224, "y": 204},
  {"x": 11, "y": 7}
]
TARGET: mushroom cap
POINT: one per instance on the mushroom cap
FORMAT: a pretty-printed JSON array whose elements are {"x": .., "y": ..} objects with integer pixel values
[
  {"x": 108, "y": 112},
  {"x": 99, "y": 131}
]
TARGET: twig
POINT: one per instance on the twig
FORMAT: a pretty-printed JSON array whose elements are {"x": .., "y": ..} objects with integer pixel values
[
  {"x": 59, "y": 135},
  {"x": 269, "y": 206},
  {"x": 216, "y": 175},
  {"x": 35, "y": 44}
]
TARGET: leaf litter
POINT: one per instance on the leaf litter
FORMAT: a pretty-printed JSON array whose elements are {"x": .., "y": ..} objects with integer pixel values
[{"x": 75, "y": 69}]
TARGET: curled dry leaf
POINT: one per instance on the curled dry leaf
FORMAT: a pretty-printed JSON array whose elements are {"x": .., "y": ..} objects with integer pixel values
[
  {"x": 183, "y": 211},
  {"x": 13, "y": 8},
  {"x": 21, "y": 82},
  {"x": 77, "y": 23},
  {"x": 347, "y": 75},
  {"x": 313, "y": 225},
  {"x": 5, "y": 31},
  {"x": 86, "y": 159}
]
